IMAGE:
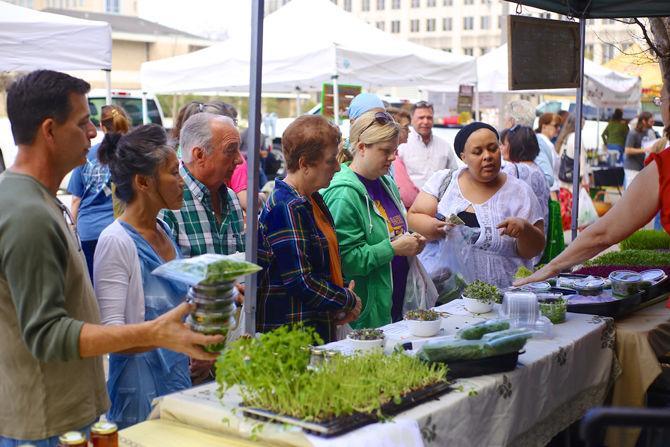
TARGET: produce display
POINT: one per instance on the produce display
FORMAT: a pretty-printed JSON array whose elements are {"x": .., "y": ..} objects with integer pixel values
[
  {"x": 646, "y": 240},
  {"x": 652, "y": 258},
  {"x": 482, "y": 291},
  {"x": 523, "y": 272},
  {"x": 422, "y": 315},
  {"x": 273, "y": 374},
  {"x": 476, "y": 331},
  {"x": 207, "y": 269},
  {"x": 454, "y": 349},
  {"x": 625, "y": 283}
]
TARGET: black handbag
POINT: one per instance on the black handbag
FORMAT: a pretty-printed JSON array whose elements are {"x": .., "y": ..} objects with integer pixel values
[{"x": 566, "y": 168}]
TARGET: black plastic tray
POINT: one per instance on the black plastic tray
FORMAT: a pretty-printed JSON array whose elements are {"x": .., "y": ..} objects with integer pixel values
[
  {"x": 658, "y": 289},
  {"x": 614, "y": 309},
  {"x": 344, "y": 424},
  {"x": 490, "y": 365}
]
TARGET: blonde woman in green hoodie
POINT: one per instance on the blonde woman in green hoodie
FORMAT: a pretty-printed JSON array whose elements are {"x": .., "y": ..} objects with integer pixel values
[{"x": 370, "y": 220}]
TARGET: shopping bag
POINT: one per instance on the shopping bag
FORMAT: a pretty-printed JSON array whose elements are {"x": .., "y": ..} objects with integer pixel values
[
  {"x": 587, "y": 211},
  {"x": 420, "y": 292}
]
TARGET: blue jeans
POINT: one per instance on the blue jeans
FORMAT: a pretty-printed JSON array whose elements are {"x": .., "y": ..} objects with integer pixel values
[{"x": 48, "y": 442}]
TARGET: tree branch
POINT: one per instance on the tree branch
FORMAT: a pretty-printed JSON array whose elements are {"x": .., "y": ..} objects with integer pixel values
[{"x": 645, "y": 34}]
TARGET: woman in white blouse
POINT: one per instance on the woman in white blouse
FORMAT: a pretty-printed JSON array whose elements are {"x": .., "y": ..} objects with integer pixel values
[
  {"x": 146, "y": 173},
  {"x": 503, "y": 223}
]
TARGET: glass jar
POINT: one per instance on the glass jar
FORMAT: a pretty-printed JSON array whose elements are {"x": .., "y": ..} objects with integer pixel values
[
  {"x": 104, "y": 434},
  {"x": 72, "y": 439}
]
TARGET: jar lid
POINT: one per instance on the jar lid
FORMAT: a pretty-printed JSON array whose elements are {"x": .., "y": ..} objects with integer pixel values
[
  {"x": 72, "y": 438},
  {"x": 589, "y": 283},
  {"x": 625, "y": 276},
  {"x": 104, "y": 428},
  {"x": 652, "y": 275},
  {"x": 542, "y": 286}
]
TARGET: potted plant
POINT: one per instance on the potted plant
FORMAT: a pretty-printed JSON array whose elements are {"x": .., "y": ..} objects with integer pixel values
[
  {"x": 480, "y": 296},
  {"x": 366, "y": 339},
  {"x": 423, "y": 323}
]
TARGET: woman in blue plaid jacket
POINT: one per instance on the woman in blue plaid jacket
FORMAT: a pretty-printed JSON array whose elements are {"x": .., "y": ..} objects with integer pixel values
[{"x": 301, "y": 281}]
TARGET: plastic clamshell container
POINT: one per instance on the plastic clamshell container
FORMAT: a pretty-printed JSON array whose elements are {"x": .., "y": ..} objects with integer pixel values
[{"x": 625, "y": 283}]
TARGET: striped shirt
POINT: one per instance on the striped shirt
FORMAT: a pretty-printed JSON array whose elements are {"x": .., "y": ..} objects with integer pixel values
[{"x": 195, "y": 228}]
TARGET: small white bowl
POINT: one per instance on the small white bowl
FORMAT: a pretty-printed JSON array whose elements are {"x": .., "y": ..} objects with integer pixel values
[
  {"x": 420, "y": 328},
  {"x": 476, "y": 306},
  {"x": 365, "y": 345}
]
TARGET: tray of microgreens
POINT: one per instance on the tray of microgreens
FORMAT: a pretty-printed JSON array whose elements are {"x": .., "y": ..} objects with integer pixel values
[{"x": 277, "y": 383}]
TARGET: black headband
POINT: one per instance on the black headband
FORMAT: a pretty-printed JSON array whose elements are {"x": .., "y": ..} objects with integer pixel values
[{"x": 463, "y": 135}]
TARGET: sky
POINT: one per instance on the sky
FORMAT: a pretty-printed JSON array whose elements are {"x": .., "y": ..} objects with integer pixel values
[{"x": 207, "y": 18}]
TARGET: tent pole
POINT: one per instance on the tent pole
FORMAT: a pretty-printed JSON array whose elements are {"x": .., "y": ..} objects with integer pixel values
[
  {"x": 576, "y": 175},
  {"x": 336, "y": 100},
  {"x": 477, "y": 114},
  {"x": 597, "y": 131},
  {"x": 298, "y": 106},
  {"x": 254, "y": 142},
  {"x": 108, "y": 82},
  {"x": 145, "y": 110}
]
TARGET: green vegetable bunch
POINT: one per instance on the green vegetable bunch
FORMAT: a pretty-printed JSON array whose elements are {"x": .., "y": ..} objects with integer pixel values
[
  {"x": 227, "y": 270},
  {"x": 422, "y": 315},
  {"x": 523, "y": 272},
  {"x": 482, "y": 291},
  {"x": 366, "y": 334},
  {"x": 646, "y": 240},
  {"x": 273, "y": 375},
  {"x": 650, "y": 258}
]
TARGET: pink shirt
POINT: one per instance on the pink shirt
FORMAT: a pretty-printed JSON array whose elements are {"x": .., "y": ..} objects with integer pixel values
[{"x": 239, "y": 181}]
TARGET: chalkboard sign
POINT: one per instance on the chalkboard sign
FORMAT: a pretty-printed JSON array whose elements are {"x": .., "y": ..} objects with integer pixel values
[{"x": 542, "y": 53}]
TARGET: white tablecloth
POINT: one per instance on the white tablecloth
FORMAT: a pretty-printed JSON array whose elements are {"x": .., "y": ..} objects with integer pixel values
[{"x": 555, "y": 382}]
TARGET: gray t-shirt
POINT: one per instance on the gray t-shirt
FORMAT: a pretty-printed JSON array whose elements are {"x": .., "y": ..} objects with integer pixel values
[{"x": 634, "y": 139}]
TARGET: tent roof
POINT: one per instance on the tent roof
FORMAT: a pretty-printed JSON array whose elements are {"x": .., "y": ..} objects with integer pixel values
[
  {"x": 31, "y": 40},
  {"x": 304, "y": 53},
  {"x": 636, "y": 62},
  {"x": 603, "y": 87},
  {"x": 601, "y": 9}
]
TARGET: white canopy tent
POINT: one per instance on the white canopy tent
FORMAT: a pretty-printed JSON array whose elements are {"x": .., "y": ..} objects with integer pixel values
[
  {"x": 602, "y": 87},
  {"x": 31, "y": 40},
  {"x": 306, "y": 43}
]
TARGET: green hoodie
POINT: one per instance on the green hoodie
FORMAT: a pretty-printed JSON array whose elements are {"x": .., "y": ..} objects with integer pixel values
[{"x": 365, "y": 246}]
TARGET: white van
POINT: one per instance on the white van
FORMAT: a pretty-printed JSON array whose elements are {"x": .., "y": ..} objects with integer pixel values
[{"x": 131, "y": 101}]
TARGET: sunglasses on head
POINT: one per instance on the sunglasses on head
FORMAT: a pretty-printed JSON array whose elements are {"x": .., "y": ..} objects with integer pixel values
[
  {"x": 381, "y": 118},
  {"x": 423, "y": 105}
]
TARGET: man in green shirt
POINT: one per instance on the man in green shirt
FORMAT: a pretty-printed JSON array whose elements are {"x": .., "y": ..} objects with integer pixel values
[{"x": 50, "y": 364}]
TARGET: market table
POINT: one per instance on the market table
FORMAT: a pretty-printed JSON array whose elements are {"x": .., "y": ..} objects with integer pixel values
[
  {"x": 640, "y": 339},
  {"x": 556, "y": 381}
]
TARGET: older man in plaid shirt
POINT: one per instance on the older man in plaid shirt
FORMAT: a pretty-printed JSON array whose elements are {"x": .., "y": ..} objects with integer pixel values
[{"x": 210, "y": 219}]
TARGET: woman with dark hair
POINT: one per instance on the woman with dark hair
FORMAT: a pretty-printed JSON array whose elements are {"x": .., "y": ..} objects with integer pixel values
[
  {"x": 146, "y": 173},
  {"x": 635, "y": 151},
  {"x": 503, "y": 224},
  {"x": 301, "y": 280},
  {"x": 615, "y": 133},
  {"x": 519, "y": 149},
  {"x": 91, "y": 188}
]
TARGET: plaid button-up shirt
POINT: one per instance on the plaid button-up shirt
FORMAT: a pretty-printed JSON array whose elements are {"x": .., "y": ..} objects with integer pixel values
[
  {"x": 195, "y": 228},
  {"x": 294, "y": 285}
]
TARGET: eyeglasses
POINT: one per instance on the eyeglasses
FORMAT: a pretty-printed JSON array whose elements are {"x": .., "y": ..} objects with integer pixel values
[{"x": 69, "y": 220}]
